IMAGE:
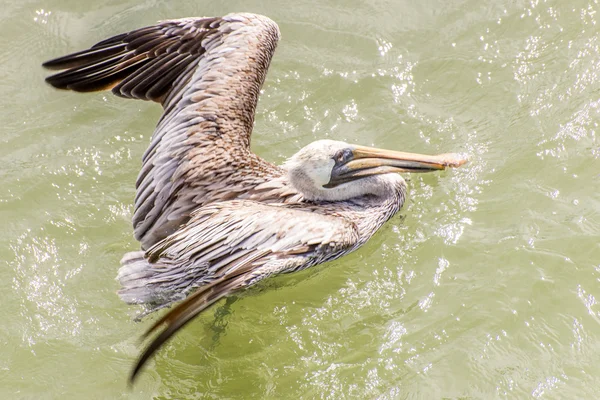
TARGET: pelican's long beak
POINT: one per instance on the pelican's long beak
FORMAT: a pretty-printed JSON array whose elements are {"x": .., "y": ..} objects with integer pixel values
[{"x": 367, "y": 161}]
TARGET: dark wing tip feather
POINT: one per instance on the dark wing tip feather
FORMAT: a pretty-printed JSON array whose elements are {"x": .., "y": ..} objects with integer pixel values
[
  {"x": 98, "y": 68},
  {"x": 81, "y": 58},
  {"x": 90, "y": 80},
  {"x": 121, "y": 62}
]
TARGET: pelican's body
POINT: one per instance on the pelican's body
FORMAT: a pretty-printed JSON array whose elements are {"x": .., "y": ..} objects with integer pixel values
[{"x": 212, "y": 217}]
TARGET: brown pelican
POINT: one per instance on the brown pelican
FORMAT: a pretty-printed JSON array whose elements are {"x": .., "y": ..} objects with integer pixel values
[{"x": 212, "y": 217}]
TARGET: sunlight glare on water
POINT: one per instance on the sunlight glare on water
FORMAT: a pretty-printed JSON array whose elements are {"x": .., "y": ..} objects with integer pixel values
[{"x": 485, "y": 286}]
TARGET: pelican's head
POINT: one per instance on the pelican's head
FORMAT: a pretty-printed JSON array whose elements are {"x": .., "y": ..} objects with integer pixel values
[{"x": 331, "y": 170}]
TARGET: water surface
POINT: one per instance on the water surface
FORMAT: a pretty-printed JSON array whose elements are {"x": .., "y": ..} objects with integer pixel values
[{"x": 484, "y": 286}]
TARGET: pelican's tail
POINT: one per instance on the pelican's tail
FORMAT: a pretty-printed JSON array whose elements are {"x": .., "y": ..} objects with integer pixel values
[{"x": 154, "y": 285}]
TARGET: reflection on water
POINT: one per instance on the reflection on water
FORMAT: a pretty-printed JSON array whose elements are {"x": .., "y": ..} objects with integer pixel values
[{"x": 485, "y": 286}]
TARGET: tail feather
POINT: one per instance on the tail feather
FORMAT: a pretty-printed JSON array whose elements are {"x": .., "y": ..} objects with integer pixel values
[
  {"x": 133, "y": 275},
  {"x": 155, "y": 285}
]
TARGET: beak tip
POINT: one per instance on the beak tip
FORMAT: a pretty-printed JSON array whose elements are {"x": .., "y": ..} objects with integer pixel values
[{"x": 454, "y": 160}]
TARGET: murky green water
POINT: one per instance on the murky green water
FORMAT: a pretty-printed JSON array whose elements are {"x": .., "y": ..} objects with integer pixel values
[{"x": 484, "y": 287}]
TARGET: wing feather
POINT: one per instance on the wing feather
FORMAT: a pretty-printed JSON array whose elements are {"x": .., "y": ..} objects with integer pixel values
[
  {"x": 236, "y": 244},
  {"x": 207, "y": 74}
]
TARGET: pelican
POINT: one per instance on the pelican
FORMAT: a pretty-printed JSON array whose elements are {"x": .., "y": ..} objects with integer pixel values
[{"x": 212, "y": 217}]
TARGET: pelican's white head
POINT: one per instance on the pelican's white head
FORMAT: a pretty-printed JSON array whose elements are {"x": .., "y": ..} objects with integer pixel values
[{"x": 331, "y": 170}]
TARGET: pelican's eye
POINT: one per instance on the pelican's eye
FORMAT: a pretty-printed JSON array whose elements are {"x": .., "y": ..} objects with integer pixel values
[{"x": 342, "y": 156}]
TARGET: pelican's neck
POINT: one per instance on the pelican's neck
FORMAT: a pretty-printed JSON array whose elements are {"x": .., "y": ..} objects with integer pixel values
[
  {"x": 370, "y": 212},
  {"x": 386, "y": 198}
]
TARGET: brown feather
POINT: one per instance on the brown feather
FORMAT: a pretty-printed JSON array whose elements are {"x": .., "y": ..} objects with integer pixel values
[{"x": 207, "y": 74}]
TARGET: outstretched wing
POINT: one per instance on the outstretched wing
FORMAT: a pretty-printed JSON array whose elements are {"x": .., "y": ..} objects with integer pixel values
[
  {"x": 239, "y": 243},
  {"x": 207, "y": 74}
]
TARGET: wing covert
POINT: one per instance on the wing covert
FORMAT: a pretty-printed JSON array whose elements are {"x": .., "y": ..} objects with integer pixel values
[{"x": 224, "y": 236}]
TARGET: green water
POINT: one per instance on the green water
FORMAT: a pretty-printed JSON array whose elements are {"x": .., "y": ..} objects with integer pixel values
[{"x": 484, "y": 287}]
